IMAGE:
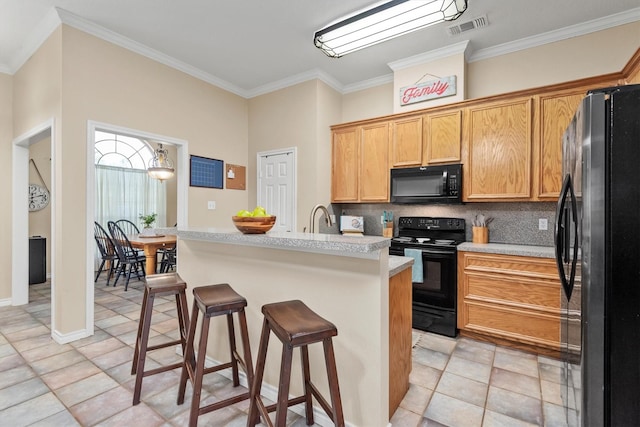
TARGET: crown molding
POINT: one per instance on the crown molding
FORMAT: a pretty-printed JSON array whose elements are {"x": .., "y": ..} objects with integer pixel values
[
  {"x": 32, "y": 43},
  {"x": 367, "y": 84},
  {"x": 294, "y": 80},
  {"x": 432, "y": 55},
  {"x": 82, "y": 24},
  {"x": 557, "y": 35}
]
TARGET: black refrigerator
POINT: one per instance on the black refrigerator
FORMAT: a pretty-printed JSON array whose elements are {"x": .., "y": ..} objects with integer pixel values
[{"x": 597, "y": 238}]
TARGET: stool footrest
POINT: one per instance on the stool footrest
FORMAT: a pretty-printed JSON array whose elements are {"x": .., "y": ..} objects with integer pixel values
[
  {"x": 223, "y": 403},
  {"x": 290, "y": 402},
  {"x": 216, "y": 368},
  {"x": 163, "y": 345},
  {"x": 162, "y": 369}
]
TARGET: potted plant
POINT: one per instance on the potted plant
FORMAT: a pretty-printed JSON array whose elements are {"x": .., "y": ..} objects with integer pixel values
[{"x": 147, "y": 223}]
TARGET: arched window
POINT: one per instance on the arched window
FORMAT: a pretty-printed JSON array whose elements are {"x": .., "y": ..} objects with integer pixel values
[
  {"x": 124, "y": 190},
  {"x": 121, "y": 151}
]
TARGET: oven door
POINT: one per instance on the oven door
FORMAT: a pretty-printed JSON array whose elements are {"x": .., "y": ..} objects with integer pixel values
[{"x": 439, "y": 279}]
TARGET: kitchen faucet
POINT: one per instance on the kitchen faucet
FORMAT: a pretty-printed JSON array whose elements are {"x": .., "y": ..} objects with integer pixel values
[{"x": 312, "y": 217}]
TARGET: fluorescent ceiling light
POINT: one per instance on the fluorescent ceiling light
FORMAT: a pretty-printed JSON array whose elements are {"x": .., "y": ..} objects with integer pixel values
[{"x": 384, "y": 21}]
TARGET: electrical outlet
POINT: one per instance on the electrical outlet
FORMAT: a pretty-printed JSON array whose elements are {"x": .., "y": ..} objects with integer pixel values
[
  {"x": 333, "y": 218},
  {"x": 211, "y": 205},
  {"x": 542, "y": 224}
]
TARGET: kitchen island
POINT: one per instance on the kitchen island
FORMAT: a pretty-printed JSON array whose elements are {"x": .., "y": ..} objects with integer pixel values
[{"x": 343, "y": 279}]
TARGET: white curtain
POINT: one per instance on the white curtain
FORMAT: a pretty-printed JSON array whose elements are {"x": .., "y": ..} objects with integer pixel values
[{"x": 126, "y": 194}]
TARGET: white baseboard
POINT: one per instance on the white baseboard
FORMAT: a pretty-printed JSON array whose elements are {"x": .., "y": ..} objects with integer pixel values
[
  {"x": 67, "y": 338},
  {"x": 270, "y": 392},
  {"x": 5, "y": 302}
]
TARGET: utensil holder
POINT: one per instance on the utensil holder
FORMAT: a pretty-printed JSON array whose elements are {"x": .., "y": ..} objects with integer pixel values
[
  {"x": 480, "y": 234},
  {"x": 388, "y": 230}
]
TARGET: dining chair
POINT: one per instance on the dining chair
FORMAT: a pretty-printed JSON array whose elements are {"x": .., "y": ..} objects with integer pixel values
[
  {"x": 168, "y": 261},
  {"x": 128, "y": 227},
  {"x": 167, "y": 258},
  {"x": 107, "y": 251},
  {"x": 129, "y": 259}
]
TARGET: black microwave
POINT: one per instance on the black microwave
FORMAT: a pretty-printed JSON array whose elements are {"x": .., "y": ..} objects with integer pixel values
[{"x": 427, "y": 185}]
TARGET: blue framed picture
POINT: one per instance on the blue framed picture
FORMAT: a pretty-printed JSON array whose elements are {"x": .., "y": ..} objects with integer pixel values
[{"x": 206, "y": 172}]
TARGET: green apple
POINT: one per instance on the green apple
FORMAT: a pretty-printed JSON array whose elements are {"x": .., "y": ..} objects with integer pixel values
[
  {"x": 244, "y": 213},
  {"x": 259, "y": 211}
]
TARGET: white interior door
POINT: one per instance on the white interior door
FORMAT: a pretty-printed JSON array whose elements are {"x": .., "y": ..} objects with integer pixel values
[{"x": 276, "y": 186}]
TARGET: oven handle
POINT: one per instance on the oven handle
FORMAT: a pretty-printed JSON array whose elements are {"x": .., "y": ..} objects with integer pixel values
[{"x": 435, "y": 251}]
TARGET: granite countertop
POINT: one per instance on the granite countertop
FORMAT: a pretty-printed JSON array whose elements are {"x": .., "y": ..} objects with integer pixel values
[
  {"x": 333, "y": 244},
  {"x": 509, "y": 249},
  {"x": 398, "y": 264}
]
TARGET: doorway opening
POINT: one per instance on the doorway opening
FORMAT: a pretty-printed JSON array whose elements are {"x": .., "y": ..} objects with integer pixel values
[
  {"x": 94, "y": 130},
  {"x": 20, "y": 215}
]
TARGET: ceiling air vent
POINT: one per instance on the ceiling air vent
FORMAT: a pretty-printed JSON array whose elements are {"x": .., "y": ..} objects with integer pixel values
[{"x": 479, "y": 22}]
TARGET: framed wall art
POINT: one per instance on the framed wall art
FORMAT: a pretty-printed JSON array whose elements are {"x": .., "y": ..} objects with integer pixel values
[{"x": 206, "y": 172}]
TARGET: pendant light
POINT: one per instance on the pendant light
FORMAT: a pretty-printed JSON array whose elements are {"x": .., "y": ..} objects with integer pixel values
[
  {"x": 160, "y": 167},
  {"x": 384, "y": 21}
]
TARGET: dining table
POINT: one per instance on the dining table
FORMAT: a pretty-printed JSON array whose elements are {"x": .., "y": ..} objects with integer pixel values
[{"x": 150, "y": 245}]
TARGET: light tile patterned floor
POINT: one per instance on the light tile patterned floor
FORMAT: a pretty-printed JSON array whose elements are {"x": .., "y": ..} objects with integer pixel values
[{"x": 454, "y": 382}]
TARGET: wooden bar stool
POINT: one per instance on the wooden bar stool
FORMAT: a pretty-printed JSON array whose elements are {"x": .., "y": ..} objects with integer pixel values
[
  {"x": 214, "y": 300},
  {"x": 296, "y": 325},
  {"x": 157, "y": 285}
]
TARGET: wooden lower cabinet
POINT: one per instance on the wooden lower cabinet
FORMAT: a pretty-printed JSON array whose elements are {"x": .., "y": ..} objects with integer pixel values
[
  {"x": 510, "y": 300},
  {"x": 400, "y": 289}
]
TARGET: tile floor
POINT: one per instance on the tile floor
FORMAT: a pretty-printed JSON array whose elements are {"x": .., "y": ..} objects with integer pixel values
[{"x": 454, "y": 382}]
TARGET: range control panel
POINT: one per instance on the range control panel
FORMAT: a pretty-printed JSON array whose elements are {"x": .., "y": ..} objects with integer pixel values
[{"x": 429, "y": 223}]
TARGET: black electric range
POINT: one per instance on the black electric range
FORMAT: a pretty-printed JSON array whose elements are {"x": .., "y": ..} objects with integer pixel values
[{"x": 432, "y": 243}]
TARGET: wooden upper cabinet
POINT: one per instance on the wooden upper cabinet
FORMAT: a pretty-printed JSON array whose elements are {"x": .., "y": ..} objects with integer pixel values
[
  {"x": 556, "y": 111},
  {"x": 374, "y": 163},
  {"x": 442, "y": 137},
  {"x": 499, "y": 146},
  {"x": 406, "y": 143},
  {"x": 344, "y": 165}
]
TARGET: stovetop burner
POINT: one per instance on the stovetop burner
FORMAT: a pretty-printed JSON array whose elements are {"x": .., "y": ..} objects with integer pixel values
[{"x": 428, "y": 231}]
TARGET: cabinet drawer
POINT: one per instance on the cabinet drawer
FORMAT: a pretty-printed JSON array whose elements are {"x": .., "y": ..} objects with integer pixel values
[
  {"x": 538, "y": 268},
  {"x": 519, "y": 325},
  {"x": 519, "y": 292}
]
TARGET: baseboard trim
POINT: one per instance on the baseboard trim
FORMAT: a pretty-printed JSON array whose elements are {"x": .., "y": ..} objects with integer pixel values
[
  {"x": 67, "y": 338},
  {"x": 5, "y": 302}
]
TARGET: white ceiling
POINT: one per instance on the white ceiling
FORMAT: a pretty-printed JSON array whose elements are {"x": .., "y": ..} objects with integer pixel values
[{"x": 254, "y": 46}]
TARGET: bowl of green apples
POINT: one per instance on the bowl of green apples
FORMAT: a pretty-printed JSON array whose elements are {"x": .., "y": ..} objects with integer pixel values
[{"x": 257, "y": 221}]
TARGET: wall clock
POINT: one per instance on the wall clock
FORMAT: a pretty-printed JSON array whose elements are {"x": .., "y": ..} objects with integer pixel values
[{"x": 38, "y": 197}]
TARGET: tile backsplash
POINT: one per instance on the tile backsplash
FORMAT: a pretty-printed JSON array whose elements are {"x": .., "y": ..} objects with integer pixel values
[{"x": 515, "y": 223}]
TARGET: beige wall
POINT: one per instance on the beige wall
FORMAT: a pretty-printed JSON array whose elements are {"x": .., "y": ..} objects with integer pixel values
[
  {"x": 40, "y": 221},
  {"x": 364, "y": 104},
  {"x": 329, "y": 111},
  {"x": 6, "y": 137},
  {"x": 298, "y": 116},
  {"x": 593, "y": 54}
]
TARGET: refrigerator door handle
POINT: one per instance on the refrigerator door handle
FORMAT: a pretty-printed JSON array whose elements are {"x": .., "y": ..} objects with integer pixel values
[
  {"x": 560, "y": 235},
  {"x": 574, "y": 217}
]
